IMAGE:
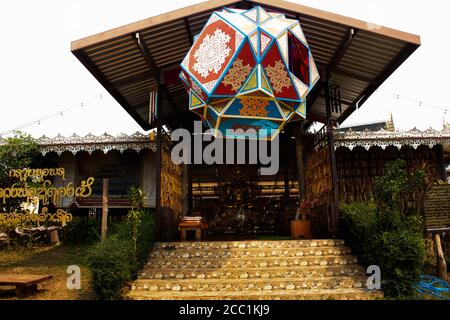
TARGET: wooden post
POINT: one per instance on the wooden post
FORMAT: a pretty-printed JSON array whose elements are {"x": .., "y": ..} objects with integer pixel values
[
  {"x": 300, "y": 163},
  {"x": 105, "y": 208},
  {"x": 159, "y": 220},
  {"x": 185, "y": 189},
  {"x": 334, "y": 177},
  {"x": 286, "y": 171},
  {"x": 190, "y": 197},
  {"x": 441, "y": 264}
]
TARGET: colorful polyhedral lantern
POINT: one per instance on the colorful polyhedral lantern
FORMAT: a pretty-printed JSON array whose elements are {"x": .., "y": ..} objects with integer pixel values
[{"x": 249, "y": 69}]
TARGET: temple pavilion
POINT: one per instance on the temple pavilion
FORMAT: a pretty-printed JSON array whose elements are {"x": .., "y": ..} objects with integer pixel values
[{"x": 353, "y": 58}]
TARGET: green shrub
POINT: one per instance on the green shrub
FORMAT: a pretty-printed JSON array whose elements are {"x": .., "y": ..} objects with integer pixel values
[
  {"x": 359, "y": 223},
  {"x": 400, "y": 254},
  {"x": 146, "y": 235},
  {"x": 81, "y": 231},
  {"x": 112, "y": 264},
  {"x": 388, "y": 232}
]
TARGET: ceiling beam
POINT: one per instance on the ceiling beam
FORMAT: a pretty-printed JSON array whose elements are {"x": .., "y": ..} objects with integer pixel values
[
  {"x": 342, "y": 49},
  {"x": 188, "y": 30},
  {"x": 337, "y": 57},
  {"x": 154, "y": 69}
]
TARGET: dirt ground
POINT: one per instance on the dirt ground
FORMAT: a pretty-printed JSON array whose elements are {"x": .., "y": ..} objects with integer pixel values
[{"x": 46, "y": 260}]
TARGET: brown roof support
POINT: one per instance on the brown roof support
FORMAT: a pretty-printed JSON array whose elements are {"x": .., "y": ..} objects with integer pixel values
[
  {"x": 154, "y": 70},
  {"x": 188, "y": 30},
  {"x": 342, "y": 49}
]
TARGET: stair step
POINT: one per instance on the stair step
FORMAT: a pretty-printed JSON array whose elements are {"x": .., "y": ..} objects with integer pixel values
[
  {"x": 308, "y": 294},
  {"x": 250, "y": 244},
  {"x": 252, "y": 270},
  {"x": 233, "y": 273},
  {"x": 252, "y": 262},
  {"x": 249, "y": 284},
  {"x": 251, "y": 252}
]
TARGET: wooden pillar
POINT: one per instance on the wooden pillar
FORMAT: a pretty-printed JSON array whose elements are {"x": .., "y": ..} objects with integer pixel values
[
  {"x": 299, "y": 145},
  {"x": 158, "y": 211},
  {"x": 441, "y": 264},
  {"x": 190, "y": 195},
  {"x": 185, "y": 189},
  {"x": 334, "y": 177},
  {"x": 286, "y": 170},
  {"x": 105, "y": 208}
]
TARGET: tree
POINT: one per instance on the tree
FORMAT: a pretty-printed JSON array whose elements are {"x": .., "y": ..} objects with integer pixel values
[{"x": 17, "y": 152}]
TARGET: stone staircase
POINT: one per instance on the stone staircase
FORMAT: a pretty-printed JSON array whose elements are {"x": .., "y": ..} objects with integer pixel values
[{"x": 252, "y": 270}]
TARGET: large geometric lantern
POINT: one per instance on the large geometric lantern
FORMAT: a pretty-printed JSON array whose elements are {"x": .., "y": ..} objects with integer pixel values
[{"x": 249, "y": 69}]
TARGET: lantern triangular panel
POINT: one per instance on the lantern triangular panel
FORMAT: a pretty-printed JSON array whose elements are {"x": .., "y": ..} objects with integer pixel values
[
  {"x": 238, "y": 72},
  {"x": 302, "y": 89},
  {"x": 262, "y": 15},
  {"x": 283, "y": 44},
  {"x": 278, "y": 74},
  {"x": 301, "y": 110},
  {"x": 220, "y": 105},
  {"x": 314, "y": 73},
  {"x": 254, "y": 40},
  {"x": 240, "y": 22},
  {"x": 275, "y": 27},
  {"x": 287, "y": 111},
  {"x": 264, "y": 42},
  {"x": 252, "y": 83},
  {"x": 265, "y": 85},
  {"x": 195, "y": 101},
  {"x": 252, "y": 14},
  {"x": 297, "y": 30}
]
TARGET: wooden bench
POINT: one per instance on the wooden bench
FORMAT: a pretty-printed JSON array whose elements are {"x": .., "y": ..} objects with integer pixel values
[{"x": 25, "y": 284}]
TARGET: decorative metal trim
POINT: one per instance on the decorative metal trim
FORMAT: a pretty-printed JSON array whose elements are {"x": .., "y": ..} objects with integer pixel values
[
  {"x": 91, "y": 143},
  {"x": 383, "y": 138}
]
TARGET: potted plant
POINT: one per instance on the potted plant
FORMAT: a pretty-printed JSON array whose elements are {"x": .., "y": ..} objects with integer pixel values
[{"x": 301, "y": 226}]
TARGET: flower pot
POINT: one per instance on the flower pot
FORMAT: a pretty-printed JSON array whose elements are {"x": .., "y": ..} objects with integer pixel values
[{"x": 301, "y": 229}]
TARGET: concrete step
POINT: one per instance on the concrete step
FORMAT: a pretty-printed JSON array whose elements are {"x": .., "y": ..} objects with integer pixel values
[
  {"x": 252, "y": 270},
  {"x": 252, "y": 262},
  {"x": 307, "y": 294},
  {"x": 250, "y": 273},
  {"x": 225, "y": 285},
  {"x": 249, "y": 244},
  {"x": 251, "y": 252}
]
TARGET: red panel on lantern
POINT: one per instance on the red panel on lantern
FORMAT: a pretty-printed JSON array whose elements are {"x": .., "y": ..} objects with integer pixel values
[
  {"x": 238, "y": 72},
  {"x": 278, "y": 75}
]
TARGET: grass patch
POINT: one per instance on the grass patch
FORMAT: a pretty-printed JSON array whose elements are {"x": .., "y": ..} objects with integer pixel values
[{"x": 47, "y": 260}]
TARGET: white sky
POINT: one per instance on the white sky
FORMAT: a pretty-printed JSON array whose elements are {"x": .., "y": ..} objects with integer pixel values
[{"x": 40, "y": 76}]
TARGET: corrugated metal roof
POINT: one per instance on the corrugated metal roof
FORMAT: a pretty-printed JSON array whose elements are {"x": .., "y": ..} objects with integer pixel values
[{"x": 357, "y": 56}]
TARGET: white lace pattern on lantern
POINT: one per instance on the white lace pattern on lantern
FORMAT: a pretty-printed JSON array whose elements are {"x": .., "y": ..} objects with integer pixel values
[
  {"x": 264, "y": 42},
  {"x": 212, "y": 52}
]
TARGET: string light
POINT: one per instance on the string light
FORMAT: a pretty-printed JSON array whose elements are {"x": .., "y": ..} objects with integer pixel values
[
  {"x": 50, "y": 116},
  {"x": 420, "y": 103}
]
